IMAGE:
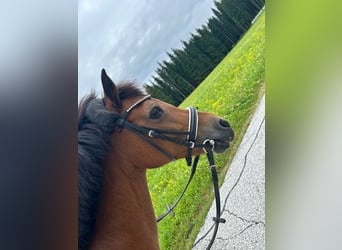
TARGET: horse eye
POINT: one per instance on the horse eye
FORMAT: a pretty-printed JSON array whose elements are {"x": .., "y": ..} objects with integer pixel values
[{"x": 156, "y": 113}]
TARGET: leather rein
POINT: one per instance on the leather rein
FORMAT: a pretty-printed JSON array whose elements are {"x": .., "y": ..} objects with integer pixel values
[{"x": 207, "y": 145}]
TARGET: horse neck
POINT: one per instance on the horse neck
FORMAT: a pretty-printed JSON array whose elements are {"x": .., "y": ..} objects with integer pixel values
[{"x": 126, "y": 218}]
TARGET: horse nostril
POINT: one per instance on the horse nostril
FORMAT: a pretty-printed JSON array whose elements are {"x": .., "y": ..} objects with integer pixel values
[{"x": 224, "y": 123}]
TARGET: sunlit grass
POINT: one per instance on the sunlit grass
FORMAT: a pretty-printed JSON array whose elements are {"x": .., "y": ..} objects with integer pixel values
[{"x": 231, "y": 91}]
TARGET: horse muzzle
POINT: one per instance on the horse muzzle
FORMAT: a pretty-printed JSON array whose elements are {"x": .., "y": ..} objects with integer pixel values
[{"x": 221, "y": 133}]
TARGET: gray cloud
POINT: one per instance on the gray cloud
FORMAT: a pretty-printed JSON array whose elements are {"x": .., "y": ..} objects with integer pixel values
[{"x": 128, "y": 38}]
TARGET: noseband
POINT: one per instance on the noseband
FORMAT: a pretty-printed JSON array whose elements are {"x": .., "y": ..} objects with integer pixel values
[{"x": 120, "y": 121}]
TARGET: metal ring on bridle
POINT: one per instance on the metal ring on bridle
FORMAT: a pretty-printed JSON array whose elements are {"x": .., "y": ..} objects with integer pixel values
[{"x": 209, "y": 144}]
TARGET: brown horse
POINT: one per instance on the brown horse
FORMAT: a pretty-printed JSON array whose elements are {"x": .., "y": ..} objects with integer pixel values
[{"x": 116, "y": 146}]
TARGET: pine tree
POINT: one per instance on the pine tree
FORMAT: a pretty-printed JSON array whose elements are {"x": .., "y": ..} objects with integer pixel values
[{"x": 187, "y": 67}]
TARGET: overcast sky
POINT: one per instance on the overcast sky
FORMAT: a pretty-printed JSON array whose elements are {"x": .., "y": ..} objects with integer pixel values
[{"x": 129, "y": 37}]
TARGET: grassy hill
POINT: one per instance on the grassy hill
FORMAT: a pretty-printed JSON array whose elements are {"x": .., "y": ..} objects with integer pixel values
[{"x": 231, "y": 91}]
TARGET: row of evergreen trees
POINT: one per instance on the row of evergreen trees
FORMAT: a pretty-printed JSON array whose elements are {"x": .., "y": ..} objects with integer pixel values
[{"x": 186, "y": 68}]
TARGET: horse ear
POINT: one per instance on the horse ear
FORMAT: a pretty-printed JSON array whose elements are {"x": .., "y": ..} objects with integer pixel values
[{"x": 110, "y": 90}]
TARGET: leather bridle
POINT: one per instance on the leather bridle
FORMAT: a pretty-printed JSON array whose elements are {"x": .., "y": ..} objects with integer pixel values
[
  {"x": 121, "y": 122},
  {"x": 147, "y": 133}
]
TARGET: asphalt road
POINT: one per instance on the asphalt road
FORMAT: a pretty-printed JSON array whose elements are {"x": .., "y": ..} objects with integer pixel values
[{"x": 242, "y": 195}]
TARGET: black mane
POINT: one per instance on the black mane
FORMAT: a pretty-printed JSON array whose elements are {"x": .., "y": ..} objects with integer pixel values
[{"x": 93, "y": 145}]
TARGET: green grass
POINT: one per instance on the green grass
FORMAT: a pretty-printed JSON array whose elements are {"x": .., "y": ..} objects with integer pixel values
[{"x": 232, "y": 91}]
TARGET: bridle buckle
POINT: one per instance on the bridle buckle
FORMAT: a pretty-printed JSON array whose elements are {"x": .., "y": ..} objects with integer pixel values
[
  {"x": 150, "y": 133},
  {"x": 192, "y": 144}
]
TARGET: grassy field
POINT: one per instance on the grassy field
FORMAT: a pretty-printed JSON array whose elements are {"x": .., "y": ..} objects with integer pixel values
[{"x": 232, "y": 91}]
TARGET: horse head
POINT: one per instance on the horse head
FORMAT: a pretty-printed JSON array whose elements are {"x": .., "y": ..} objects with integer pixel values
[{"x": 132, "y": 108}]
